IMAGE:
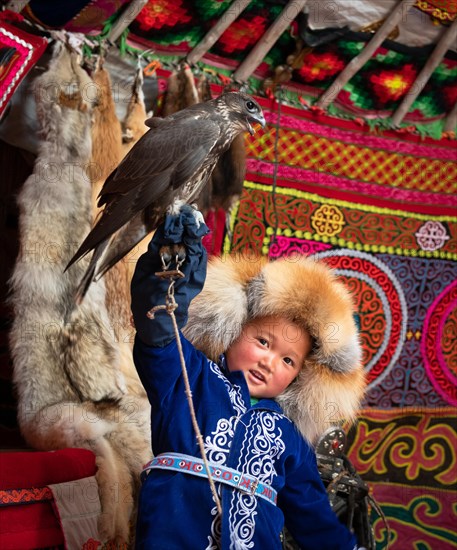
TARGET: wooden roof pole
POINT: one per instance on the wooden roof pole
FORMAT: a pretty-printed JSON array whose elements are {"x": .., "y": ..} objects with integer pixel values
[
  {"x": 264, "y": 45},
  {"x": 445, "y": 42},
  {"x": 451, "y": 120},
  {"x": 359, "y": 61},
  {"x": 127, "y": 16},
  {"x": 226, "y": 19}
]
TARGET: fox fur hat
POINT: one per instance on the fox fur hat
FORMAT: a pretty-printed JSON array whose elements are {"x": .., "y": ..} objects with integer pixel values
[{"x": 239, "y": 289}]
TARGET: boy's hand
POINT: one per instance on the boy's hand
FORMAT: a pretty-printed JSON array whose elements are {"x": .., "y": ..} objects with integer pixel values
[{"x": 148, "y": 290}]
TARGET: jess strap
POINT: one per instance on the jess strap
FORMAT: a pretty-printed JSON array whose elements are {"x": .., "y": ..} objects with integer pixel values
[{"x": 192, "y": 465}]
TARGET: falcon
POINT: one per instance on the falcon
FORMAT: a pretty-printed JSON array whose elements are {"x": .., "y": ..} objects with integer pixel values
[{"x": 167, "y": 167}]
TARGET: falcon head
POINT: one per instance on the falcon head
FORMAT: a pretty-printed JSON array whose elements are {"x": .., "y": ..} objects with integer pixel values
[{"x": 240, "y": 110}]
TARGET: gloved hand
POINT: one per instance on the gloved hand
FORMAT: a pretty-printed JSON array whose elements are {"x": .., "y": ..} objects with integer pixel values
[{"x": 148, "y": 290}]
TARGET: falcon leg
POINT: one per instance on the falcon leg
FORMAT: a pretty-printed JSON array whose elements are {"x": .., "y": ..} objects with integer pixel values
[{"x": 172, "y": 257}]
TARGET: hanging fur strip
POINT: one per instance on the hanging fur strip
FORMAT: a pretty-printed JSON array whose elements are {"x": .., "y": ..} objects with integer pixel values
[
  {"x": 71, "y": 391},
  {"x": 106, "y": 130},
  {"x": 107, "y": 153},
  {"x": 181, "y": 91},
  {"x": 228, "y": 176},
  {"x": 133, "y": 126}
]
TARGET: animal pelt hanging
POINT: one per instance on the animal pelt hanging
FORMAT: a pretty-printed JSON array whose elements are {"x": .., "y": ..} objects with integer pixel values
[
  {"x": 181, "y": 91},
  {"x": 228, "y": 176},
  {"x": 133, "y": 126},
  {"x": 107, "y": 153},
  {"x": 71, "y": 392}
]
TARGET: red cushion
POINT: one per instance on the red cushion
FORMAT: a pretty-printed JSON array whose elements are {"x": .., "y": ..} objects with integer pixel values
[
  {"x": 37, "y": 469},
  {"x": 35, "y": 525}
]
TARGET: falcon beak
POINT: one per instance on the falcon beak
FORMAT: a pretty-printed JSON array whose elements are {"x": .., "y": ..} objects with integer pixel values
[{"x": 259, "y": 118}]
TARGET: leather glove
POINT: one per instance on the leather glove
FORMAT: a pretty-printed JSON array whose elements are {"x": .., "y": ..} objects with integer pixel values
[{"x": 148, "y": 290}]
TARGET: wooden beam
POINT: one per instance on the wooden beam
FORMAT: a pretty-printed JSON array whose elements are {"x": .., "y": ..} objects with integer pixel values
[
  {"x": 211, "y": 37},
  {"x": 127, "y": 16},
  {"x": 446, "y": 41},
  {"x": 264, "y": 45},
  {"x": 359, "y": 61},
  {"x": 451, "y": 120}
]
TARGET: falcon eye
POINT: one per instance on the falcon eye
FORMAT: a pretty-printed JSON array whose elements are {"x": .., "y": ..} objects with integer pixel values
[{"x": 251, "y": 106}]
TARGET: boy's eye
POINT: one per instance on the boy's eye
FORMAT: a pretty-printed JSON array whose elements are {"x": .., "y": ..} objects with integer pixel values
[
  {"x": 263, "y": 341},
  {"x": 288, "y": 360}
]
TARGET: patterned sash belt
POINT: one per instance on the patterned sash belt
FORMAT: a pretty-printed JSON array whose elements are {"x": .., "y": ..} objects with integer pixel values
[{"x": 195, "y": 466}]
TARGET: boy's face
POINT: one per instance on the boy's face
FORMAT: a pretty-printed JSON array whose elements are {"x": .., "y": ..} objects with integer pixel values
[{"x": 270, "y": 352}]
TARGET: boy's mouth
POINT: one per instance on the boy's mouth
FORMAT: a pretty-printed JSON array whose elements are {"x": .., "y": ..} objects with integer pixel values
[{"x": 257, "y": 375}]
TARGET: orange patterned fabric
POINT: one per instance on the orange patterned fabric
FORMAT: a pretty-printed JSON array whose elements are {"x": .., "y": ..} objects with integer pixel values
[{"x": 358, "y": 162}]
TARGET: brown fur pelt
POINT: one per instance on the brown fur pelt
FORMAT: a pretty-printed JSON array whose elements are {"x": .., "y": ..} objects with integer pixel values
[
  {"x": 107, "y": 152},
  {"x": 228, "y": 176},
  {"x": 181, "y": 91},
  {"x": 133, "y": 126},
  {"x": 331, "y": 382},
  {"x": 71, "y": 391},
  {"x": 106, "y": 130}
]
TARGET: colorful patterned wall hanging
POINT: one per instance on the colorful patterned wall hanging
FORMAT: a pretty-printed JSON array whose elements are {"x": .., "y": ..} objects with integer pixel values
[
  {"x": 382, "y": 211},
  {"x": 408, "y": 458},
  {"x": 19, "y": 51},
  {"x": 175, "y": 27}
]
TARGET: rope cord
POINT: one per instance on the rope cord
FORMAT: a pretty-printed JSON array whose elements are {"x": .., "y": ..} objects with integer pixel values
[
  {"x": 170, "y": 306},
  {"x": 275, "y": 172}
]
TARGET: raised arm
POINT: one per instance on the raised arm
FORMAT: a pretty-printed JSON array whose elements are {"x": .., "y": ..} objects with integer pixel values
[{"x": 149, "y": 291}]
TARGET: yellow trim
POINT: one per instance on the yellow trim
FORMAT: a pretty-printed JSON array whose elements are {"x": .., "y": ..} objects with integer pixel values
[
  {"x": 413, "y": 252},
  {"x": 336, "y": 202}
]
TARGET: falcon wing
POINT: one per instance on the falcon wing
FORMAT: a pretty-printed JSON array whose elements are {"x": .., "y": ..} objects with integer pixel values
[
  {"x": 161, "y": 162},
  {"x": 162, "y": 148}
]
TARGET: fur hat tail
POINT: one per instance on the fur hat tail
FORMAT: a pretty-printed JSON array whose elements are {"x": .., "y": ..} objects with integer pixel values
[{"x": 239, "y": 289}]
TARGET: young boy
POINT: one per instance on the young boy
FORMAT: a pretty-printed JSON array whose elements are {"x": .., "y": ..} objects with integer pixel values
[{"x": 273, "y": 359}]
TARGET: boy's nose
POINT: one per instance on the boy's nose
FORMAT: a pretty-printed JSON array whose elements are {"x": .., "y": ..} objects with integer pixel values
[{"x": 267, "y": 362}]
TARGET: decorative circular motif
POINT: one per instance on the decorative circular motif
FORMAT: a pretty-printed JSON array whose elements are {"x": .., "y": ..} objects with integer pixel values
[
  {"x": 439, "y": 353},
  {"x": 431, "y": 236},
  {"x": 328, "y": 220},
  {"x": 381, "y": 305}
]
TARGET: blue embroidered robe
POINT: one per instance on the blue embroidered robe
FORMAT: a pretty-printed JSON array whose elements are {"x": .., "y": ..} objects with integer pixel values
[{"x": 177, "y": 511}]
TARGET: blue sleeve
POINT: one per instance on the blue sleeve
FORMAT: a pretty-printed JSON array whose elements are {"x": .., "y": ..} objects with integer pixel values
[
  {"x": 159, "y": 368},
  {"x": 306, "y": 507},
  {"x": 148, "y": 290}
]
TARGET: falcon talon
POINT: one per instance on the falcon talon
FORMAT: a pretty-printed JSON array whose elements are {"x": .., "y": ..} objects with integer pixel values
[
  {"x": 166, "y": 255},
  {"x": 179, "y": 251}
]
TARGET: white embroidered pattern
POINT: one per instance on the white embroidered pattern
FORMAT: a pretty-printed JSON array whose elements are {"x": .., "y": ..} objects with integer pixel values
[
  {"x": 262, "y": 446},
  {"x": 234, "y": 391},
  {"x": 217, "y": 445}
]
